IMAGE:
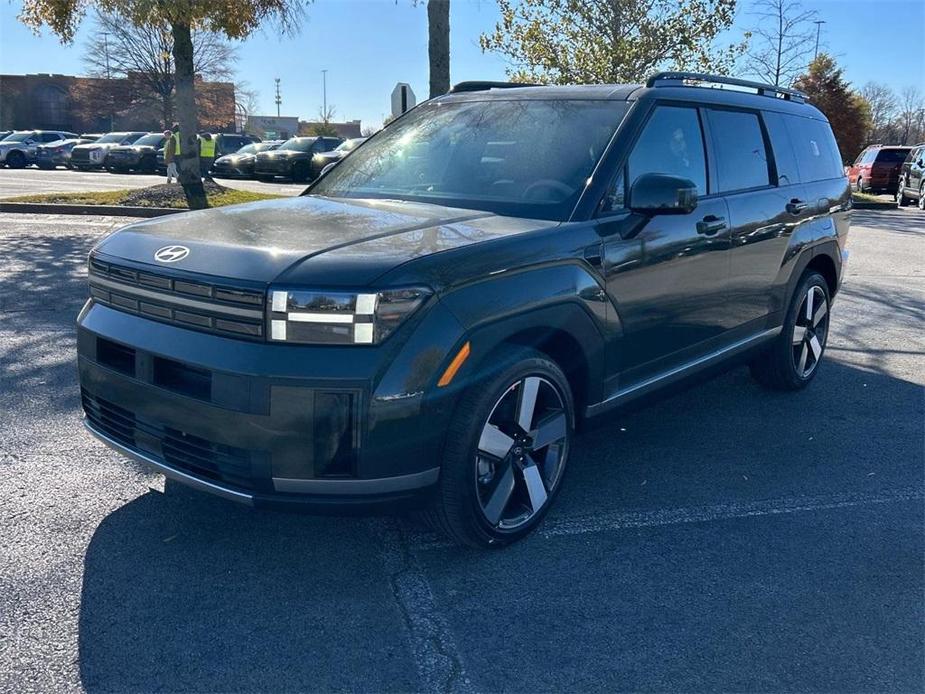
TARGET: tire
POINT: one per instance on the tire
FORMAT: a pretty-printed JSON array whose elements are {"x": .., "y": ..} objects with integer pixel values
[
  {"x": 921, "y": 201},
  {"x": 16, "y": 159},
  {"x": 791, "y": 361},
  {"x": 301, "y": 172},
  {"x": 901, "y": 199},
  {"x": 148, "y": 165},
  {"x": 496, "y": 484},
  {"x": 46, "y": 167}
]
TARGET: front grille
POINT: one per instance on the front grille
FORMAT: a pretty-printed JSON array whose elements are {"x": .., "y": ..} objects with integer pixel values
[
  {"x": 80, "y": 155},
  {"x": 225, "y": 310},
  {"x": 178, "y": 449}
]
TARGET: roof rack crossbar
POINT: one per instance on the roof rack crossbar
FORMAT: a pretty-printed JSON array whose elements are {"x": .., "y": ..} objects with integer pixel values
[
  {"x": 667, "y": 79},
  {"x": 483, "y": 85}
]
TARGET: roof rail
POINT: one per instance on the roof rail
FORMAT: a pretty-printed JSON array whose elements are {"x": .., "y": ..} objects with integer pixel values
[
  {"x": 674, "y": 79},
  {"x": 482, "y": 85}
]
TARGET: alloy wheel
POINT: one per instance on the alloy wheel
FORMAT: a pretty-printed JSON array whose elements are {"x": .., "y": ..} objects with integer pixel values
[
  {"x": 921, "y": 203},
  {"x": 810, "y": 331},
  {"x": 521, "y": 453}
]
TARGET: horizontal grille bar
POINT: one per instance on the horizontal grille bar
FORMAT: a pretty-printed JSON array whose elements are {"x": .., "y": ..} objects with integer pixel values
[{"x": 232, "y": 311}]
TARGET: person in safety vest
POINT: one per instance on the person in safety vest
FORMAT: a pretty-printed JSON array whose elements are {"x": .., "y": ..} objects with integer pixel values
[
  {"x": 171, "y": 152},
  {"x": 206, "y": 155}
]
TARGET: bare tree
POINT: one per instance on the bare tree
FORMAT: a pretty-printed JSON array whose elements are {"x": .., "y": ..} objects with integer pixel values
[
  {"x": 882, "y": 102},
  {"x": 781, "y": 41},
  {"x": 145, "y": 54},
  {"x": 246, "y": 103},
  {"x": 910, "y": 117}
]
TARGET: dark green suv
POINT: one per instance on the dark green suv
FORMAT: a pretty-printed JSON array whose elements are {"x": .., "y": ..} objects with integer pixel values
[{"x": 429, "y": 322}]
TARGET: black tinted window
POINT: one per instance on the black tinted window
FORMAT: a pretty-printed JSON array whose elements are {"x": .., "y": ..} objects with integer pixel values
[
  {"x": 814, "y": 144},
  {"x": 671, "y": 143},
  {"x": 784, "y": 158},
  {"x": 891, "y": 156},
  {"x": 741, "y": 158}
]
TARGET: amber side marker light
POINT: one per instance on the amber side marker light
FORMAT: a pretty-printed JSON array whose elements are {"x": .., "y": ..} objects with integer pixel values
[{"x": 454, "y": 366}]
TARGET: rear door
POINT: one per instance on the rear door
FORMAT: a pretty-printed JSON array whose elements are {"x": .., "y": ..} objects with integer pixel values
[
  {"x": 916, "y": 167},
  {"x": 757, "y": 172}
]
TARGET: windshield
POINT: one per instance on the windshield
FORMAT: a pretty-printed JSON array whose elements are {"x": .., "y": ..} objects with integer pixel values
[
  {"x": 891, "y": 156},
  {"x": 18, "y": 137},
  {"x": 349, "y": 145},
  {"x": 113, "y": 137},
  {"x": 298, "y": 144},
  {"x": 248, "y": 149},
  {"x": 153, "y": 140},
  {"x": 527, "y": 158}
]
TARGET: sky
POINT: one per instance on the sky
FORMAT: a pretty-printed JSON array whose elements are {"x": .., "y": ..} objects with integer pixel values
[{"x": 367, "y": 46}]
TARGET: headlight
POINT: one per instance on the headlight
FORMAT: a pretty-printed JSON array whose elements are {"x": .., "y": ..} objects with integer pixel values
[
  {"x": 341, "y": 318},
  {"x": 96, "y": 153}
]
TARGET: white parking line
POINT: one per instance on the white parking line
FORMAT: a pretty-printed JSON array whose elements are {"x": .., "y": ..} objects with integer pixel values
[{"x": 622, "y": 520}]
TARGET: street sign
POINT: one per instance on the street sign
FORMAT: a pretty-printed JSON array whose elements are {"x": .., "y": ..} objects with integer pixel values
[{"x": 402, "y": 99}]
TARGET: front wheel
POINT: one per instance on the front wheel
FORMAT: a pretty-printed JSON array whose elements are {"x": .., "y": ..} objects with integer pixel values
[
  {"x": 16, "y": 160},
  {"x": 506, "y": 452},
  {"x": 791, "y": 361},
  {"x": 921, "y": 203}
]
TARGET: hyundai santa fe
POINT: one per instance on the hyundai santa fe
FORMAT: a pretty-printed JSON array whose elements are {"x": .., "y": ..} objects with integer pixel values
[{"x": 429, "y": 321}]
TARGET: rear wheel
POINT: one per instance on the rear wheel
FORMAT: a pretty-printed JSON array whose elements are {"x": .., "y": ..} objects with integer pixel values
[
  {"x": 791, "y": 361},
  {"x": 506, "y": 452},
  {"x": 901, "y": 199}
]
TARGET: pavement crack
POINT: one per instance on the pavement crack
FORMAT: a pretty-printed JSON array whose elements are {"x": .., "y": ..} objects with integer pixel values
[{"x": 434, "y": 648}]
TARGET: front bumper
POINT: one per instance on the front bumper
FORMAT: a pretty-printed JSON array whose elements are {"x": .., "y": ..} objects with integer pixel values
[{"x": 262, "y": 423}]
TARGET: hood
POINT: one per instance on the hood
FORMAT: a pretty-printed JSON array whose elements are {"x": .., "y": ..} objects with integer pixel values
[
  {"x": 132, "y": 148},
  {"x": 235, "y": 157},
  {"x": 330, "y": 156},
  {"x": 308, "y": 240}
]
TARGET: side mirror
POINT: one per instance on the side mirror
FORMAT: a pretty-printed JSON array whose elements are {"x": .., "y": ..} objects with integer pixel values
[{"x": 654, "y": 193}]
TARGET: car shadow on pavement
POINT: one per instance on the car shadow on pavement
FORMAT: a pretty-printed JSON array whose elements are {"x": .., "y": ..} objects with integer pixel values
[{"x": 183, "y": 591}]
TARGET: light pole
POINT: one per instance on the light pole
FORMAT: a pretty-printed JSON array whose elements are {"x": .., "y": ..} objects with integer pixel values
[
  {"x": 108, "y": 73},
  {"x": 279, "y": 99},
  {"x": 324, "y": 92},
  {"x": 818, "y": 23}
]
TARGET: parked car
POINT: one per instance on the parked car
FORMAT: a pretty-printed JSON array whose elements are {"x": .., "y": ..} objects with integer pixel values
[
  {"x": 58, "y": 153},
  {"x": 430, "y": 320},
  {"x": 876, "y": 170},
  {"x": 225, "y": 143},
  {"x": 911, "y": 184},
  {"x": 18, "y": 148},
  {"x": 93, "y": 155},
  {"x": 241, "y": 163},
  {"x": 293, "y": 158},
  {"x": 323, "y": 159},
  {"x": 139, "y": 156}
]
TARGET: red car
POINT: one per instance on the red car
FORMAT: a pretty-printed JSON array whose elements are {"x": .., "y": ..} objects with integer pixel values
[{"x": 876, "y": 170}]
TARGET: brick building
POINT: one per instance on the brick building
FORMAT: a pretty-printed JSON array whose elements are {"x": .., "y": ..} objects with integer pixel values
[{"x": 90, "y": 104}]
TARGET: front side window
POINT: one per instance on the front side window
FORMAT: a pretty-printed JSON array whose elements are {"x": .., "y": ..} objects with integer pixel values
[
  {"x": 525, "y": 157},
  {"x": 671, "y": 143},
  {"x": 741, "y": 157}
]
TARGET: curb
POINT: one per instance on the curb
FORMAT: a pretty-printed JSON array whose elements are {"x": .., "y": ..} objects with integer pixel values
[
  {"x": 873, "y": 205},
  {"x": 102, "y": 210}
]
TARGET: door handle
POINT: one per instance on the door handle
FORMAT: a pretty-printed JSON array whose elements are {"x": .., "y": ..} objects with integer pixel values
[
  {"x": 796, "y": 206},
  {"x": 711, "y": 224}
]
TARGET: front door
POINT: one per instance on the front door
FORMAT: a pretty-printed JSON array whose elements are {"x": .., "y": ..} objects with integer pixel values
[{"x": 666, "y": 275}]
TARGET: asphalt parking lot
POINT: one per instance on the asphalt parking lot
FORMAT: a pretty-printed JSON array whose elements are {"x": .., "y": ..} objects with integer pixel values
[
  {"x": 724, "y": 538},
  {"x": 30, "y": 181}
]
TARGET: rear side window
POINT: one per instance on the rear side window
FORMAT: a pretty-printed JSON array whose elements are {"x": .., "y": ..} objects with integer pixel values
[
  {"x": 671, "y": 143},
  {"x": 741, "y": 157},
  {"x": 784, "y": 157},
  {"x": 814, "y": 144}
]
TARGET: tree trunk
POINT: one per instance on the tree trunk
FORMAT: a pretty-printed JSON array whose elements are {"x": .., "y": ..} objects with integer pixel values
[
  {"x": 438, "y": 46},
  {"x": 188, "y": 161}
]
